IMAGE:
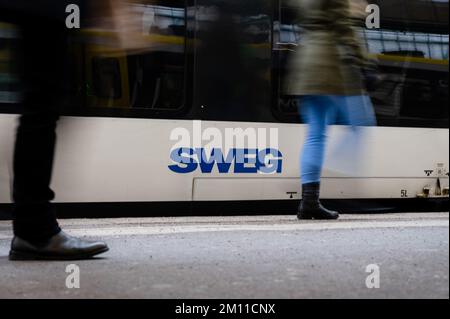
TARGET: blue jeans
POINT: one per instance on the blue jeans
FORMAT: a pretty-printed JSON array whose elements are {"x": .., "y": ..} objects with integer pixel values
[{"x": 319, "y": 111}]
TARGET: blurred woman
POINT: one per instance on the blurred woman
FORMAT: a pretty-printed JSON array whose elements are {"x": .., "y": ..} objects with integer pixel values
[{"x": 326, "y": 75}]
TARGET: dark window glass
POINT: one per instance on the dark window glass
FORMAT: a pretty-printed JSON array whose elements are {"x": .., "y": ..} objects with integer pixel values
[
  {"x": 9, "y": 78},
  {"x": 233, "y": 60},
  {"x": 106, "y": 78}
]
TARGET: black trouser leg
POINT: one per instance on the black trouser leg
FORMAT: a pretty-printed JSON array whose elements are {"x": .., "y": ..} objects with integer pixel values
[
  {"x": 43, "y": 54},
  {"x": 34, "y": 217}
]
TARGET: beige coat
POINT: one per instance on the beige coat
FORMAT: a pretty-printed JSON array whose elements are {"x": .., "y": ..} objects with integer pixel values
[{"x": 329, "y": 59}]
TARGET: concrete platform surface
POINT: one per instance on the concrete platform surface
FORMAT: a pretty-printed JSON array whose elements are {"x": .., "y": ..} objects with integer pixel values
[{"x": 245, "y": 257}]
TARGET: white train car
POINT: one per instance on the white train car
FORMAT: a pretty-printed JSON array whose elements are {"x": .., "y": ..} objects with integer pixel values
[{"x": 161, "y": 132}]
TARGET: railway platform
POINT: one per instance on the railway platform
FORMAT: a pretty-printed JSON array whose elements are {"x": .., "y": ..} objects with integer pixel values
[{"x": 360, "y": 256}]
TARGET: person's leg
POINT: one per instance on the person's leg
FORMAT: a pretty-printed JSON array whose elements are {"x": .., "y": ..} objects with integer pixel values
[
  {"x": 358, "y": 111},
  {"x": 43, "y": 53},
  {"x": 317, "y": 111},
  {"x": 34, "y": 217},
  {"x": 355, "y": 112},
  {"x": 36, "y": 231}
]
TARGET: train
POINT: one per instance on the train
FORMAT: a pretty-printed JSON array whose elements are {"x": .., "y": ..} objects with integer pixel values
[{"x": 154, "y": 132}]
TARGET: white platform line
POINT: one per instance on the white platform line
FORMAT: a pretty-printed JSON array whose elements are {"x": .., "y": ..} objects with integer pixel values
[{"x": 122, "y": 230}]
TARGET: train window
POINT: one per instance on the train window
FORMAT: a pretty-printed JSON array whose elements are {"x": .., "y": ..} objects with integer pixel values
[
  {"x": 107, "y": 81},
  {"x": 146, "y": 80},
  {"x": 412, "y": 49}
]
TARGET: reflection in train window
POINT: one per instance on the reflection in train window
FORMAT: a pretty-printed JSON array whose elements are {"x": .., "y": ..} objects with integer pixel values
[
  {"x": 418, "y": 44},
  {"x": 152, "y": 79},
  {"x": 415, "y": 67},
  {"x": 413, "y": 58},
  {"x": 287, "y": 35}
]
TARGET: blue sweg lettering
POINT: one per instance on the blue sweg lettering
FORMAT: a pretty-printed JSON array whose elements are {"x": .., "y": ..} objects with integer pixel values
[
  {"x": 241, "y": 164},
  {"x": 274, "y": 165},
  {"x": 186, "y": 163},
  {"x": 207, "y": 165},
  {"x": 246, "y": 161}
]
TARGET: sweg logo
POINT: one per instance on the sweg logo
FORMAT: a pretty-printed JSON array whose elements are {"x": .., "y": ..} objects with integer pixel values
[{"x": 246, "y": 151}]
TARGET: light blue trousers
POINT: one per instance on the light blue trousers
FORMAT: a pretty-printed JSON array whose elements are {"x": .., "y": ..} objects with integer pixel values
[{"x": 319, "y": 111}]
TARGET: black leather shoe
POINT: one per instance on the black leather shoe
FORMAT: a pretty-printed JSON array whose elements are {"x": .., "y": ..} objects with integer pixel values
[
  {"x": 310, "y": 207},
  {"x": 59, "y": 247}
]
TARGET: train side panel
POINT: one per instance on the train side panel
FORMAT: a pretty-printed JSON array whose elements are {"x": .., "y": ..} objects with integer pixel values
[{"x": 127, "y": 160}]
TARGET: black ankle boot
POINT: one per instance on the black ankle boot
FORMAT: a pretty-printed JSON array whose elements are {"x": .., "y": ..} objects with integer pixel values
[{"x": 310, "y": 207}]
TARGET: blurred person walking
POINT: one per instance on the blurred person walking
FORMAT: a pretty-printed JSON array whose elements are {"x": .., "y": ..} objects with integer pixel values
[
  {"x": 326, "y": 74},
  {"x": 43, "y": 54}
]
